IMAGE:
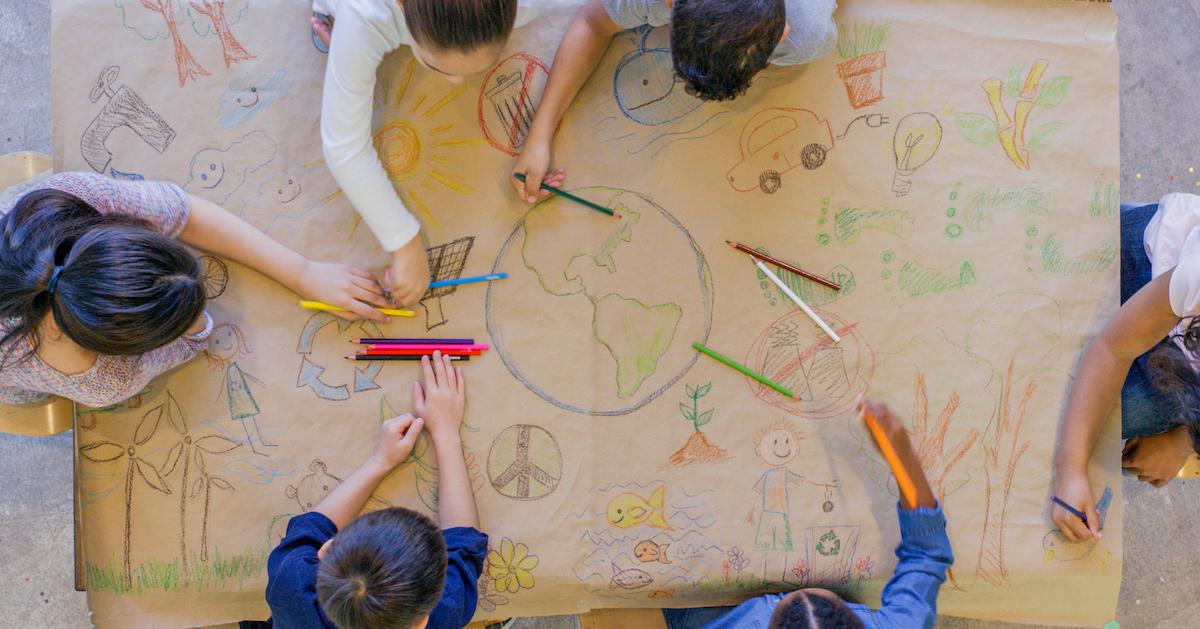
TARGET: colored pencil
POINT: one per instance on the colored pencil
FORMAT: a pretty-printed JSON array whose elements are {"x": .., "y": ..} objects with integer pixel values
[
  {"x": 416, "y": 352},
  {"x": 416, "y": 357},
  {"x": 1075, "y": 512},
  {"x": 729, "y": 362},
  {"x": 563, "y": 193},
  {"x": 468, "y": 280},
  {"x": 371, "y": 341},
  {"x": 783, "y": 265},
  {"x": 893, "y": 460},
  {"x": 425, "y": 347},
  {"x": 796, "y": 298},
  {"x": 391, "y": 312}
]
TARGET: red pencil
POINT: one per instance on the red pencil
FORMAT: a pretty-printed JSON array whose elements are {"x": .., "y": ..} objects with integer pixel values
[
  {"x": 394, "y": 357},
  {"x": 429, "y": 347},
  {"x": 417, "y": 352},
  {"x": 783, "y": 265}
]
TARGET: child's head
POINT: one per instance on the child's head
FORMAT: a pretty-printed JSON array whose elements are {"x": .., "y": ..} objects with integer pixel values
[
  {"x": 813, "y": 608},
  {"x": 383, "y": 570},
  {"x": 459, "y": 38},
  {"x": 718, "y": 46},
  {"x": 122, "y": 288},
  {"x": 778, "y": 443}
]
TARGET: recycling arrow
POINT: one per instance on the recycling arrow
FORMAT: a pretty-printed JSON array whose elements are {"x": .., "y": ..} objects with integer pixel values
[
  {"x": 310, "y": 376},
  {"x": 310, "y": 373}
]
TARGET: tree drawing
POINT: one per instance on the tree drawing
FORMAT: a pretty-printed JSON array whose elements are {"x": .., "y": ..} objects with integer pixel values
[
  {"x": 206, "y": 482},
  {"x": 698, "y": 449},
  {"x": 930, "y": 440},
  {"x": 108, "y": 451},
  {"x": 135, "y": 20},
  {"x": 215, "y": 16},
  {"x": 1000, "y": 460}
]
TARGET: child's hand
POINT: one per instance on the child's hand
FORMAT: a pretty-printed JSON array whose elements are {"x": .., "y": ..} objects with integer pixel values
[
  {"x": 1157, "y": 459},
  {"x": 323, "y": 31},
  {"x": 534, "y": 163},
  {"x": 342, "y": 285},
  {"x": 408, "y": 277},
  {"x": 1075, "y": 490},
  {"x": 397, "y": 437},
  {"x": 894, "y": 431},
  {"x": 439, "y": 398}
]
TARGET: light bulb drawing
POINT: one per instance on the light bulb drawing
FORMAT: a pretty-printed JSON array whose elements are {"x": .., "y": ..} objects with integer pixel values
[{"x": 918, "y": 136}]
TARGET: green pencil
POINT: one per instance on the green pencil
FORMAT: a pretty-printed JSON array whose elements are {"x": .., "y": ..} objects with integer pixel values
[
  {"x": 563, "y": 193},
  {"x": 745, "y": 370}
]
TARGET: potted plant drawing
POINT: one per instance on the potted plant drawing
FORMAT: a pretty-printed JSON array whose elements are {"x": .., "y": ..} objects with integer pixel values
[
  {"x": 860, "y": 47},
  {"x": 135, "y": 467},
  {"x": 698, "y": 449}
]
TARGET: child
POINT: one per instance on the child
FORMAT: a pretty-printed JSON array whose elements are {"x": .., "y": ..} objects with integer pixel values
[
  {"x": 717, "y": 46},
  {"x": 454, "y": 38},
  {"x": 388, "y": 568},
  {"x": 1146, "y": 357},
  {"x": 910, "y": 596},
  {"x": 97, "y": 296}
]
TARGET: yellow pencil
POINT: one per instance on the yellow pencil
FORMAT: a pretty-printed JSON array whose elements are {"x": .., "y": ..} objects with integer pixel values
[
  {"x": 391, "y": 312},
  {"x": 893, "y": 460}
]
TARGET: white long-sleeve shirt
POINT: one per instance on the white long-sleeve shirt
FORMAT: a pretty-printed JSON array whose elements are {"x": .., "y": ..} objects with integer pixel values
[{"x": 364, "y": 31}]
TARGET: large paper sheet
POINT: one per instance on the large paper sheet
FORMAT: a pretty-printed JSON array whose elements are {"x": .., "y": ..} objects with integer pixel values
[{"x": 953, "y": 166}]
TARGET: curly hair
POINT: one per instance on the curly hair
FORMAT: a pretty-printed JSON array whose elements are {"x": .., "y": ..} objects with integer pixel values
[
  {"x": 804, "y": 610},
  {"x": 718, "y": 46},
  {"x": 779, "y": 424},
  {"x": 1173, "y": 374}
]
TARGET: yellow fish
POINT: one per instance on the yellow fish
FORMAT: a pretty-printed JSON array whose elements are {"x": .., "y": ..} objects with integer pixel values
[{"x": 629, "y": 510}]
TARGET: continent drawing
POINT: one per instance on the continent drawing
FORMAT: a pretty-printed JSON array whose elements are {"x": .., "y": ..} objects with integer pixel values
[{"x": 599, "y": 276}]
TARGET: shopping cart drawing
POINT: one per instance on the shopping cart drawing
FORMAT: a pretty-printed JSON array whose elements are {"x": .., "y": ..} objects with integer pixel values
[{"x": 446, "y": 262}]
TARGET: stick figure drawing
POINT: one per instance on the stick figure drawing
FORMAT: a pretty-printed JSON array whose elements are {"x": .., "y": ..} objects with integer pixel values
[{"x": 226, "y": 345}]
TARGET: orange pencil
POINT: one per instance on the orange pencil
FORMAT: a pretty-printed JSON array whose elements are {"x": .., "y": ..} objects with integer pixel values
[{"x": 889, "y": 452}]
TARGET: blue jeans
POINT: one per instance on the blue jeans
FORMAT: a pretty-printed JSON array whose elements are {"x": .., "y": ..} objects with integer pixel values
[{"x": 1144, "y": 409}]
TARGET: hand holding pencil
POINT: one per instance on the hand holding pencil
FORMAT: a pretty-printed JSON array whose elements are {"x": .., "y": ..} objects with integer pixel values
[{"x": 891, "y": 439}]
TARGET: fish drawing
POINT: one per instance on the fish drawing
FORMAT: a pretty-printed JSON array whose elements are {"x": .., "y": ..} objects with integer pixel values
[
  {"x": 647, "y": 551},
  {"x": 630, "y": 579},
  {"x": 629, "y": 509},
  {"x": 661, "y": 594}
]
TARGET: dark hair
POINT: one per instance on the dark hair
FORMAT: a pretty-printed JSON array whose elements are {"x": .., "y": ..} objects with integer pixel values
[
  {"x": 460, "y": 25},
  {"x": 384, "y": 570},
  {"x": 717, "y": 46},
  {"x": 801, "y": 610},
  {"x": 1172, "y": 373},
  {"x": 123, "y": 289}
]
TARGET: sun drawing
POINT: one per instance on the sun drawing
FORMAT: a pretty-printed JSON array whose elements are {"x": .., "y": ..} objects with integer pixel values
[{"x": 416, "y": 154}]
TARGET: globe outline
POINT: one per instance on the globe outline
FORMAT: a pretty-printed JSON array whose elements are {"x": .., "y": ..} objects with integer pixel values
[{"x": 706, "y": 293}]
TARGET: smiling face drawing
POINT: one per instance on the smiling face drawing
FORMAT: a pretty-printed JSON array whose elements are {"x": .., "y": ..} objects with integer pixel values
[
  {"x": 282, "y": 188},
  {"x": 247, "y": 95},
  {"x": 211, "y": 174},
  {"x": 777, "y": 447},
  {"x": 223, "y": 342}
]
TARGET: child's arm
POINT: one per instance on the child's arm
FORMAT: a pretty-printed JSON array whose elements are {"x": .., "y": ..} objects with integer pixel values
[
  {"x": 356, "y": 49},
  {"x": 581, "y": 49},
  {"x": 440, "y": 399},
  {"x": 910, "y": 596},
  {"x": 396, "y": 439},
  {"x": 215, "y": 230},
  {"x": 894, "y": 430},
  {"x": 1137, "y": 327}
]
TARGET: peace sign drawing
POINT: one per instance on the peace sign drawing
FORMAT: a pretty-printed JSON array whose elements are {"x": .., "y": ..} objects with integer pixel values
[{"x": 524, "y": 462}]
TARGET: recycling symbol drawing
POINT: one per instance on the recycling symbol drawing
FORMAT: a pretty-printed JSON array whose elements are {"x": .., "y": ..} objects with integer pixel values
[
  {"x": 310, "y": 372},
  {"x": 829, "y": 545}
]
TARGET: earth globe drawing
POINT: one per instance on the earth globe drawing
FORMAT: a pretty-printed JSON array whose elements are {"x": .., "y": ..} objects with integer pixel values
[{"x": 598, "y": 313}]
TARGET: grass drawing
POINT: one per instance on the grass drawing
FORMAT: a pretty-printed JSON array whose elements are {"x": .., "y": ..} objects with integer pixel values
[
  {"x": 916, "y": 280},
  {"x": 850, "y": 222},
  {"x": 1055, "y": 260},
  {"x": 698, "y": 449},
  {"x": 860, "y": 46},
  {"x": 861, "y": 38},
  {"x": 220, "y": 571}
]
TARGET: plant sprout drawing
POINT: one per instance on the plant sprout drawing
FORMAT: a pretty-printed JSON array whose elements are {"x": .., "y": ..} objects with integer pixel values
[
  {"x": 1000, "y": 461},
  {"x": 1031, "y": 92},
  {"x": 135, "y": 466},
  {"x": 697, "y": 449}
]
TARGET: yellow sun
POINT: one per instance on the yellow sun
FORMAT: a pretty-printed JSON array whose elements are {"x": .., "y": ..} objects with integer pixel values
[{"x": 415, "y": 156}]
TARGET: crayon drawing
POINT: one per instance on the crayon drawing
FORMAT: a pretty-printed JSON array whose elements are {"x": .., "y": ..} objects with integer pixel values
[
  {"x": 918, "y": 136},
  {"x": 215, "y": 17},
  {"x": 510, "y": 567},
  {"x": 524, "y": 462},
  {"x": 249, "y": 94},
  {"x": 860, "y": 48},
  {"x": 698, "y": 449},
  {"x": 1057, "y": 547},
  {"x": 774, "y": 142},
  {"x": 591, "y": 275},
  {"x": 810, "y": 292},
  {"x": 216, "y": 276},
  {"x": 226, "y": 345},
  {"x": 310, "y": 375},
  {"x": 123, "y": 108},
  {"x": 1030, "y": 92},
  {"x": 507, "y": 98},
  {"x": 156, "y": 19},
  {"x": 217, "y": 173},
  {"x": 446, "y": 262},
  {"x": 317, "y": 484}
]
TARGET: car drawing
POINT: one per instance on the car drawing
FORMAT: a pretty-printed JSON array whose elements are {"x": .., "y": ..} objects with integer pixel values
[{"x": 775, "y": 141}]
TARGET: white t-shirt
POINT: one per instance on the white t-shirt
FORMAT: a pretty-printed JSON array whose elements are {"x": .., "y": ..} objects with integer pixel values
[
  {"x": 1172, "y": 240},
  {"x": 812, "y": 36},
  {"x": 364, "y": 31}
]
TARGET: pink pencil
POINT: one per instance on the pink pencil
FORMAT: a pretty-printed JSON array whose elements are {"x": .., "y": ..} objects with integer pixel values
[{"x": 425, "y": 347}]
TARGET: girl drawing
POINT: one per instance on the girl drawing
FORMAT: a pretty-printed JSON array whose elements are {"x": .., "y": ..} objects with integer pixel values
[{"x": 225, "y": 346}]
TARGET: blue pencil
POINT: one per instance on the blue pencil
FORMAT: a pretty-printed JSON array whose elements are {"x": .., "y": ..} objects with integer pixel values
[{"x": 468, "y": 280}]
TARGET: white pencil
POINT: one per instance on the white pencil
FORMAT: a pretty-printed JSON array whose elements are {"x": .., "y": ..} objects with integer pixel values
[{"x": 796, "y": 298}]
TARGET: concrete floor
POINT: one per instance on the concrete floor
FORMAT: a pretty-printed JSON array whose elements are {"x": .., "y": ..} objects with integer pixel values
[{"x": 1159, "y": 136}]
